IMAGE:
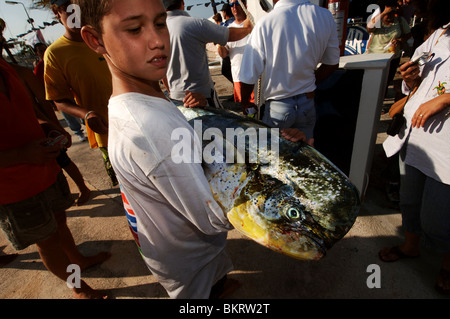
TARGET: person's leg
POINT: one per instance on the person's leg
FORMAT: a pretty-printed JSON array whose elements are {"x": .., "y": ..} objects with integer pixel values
[
  {"x": 412, "y": 185},
  {"x": 72, "y": 170},
  {"x": 74, "y": 124},
  {"x": 435, "y": 219},
  {"x": 71, "y": 250},
  {"x": 56, "y": 261}
]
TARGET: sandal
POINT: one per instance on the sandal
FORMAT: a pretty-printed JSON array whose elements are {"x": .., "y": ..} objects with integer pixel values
[
  {"x": 396, "y": 252},
  {"x": 444, "y": 278}
]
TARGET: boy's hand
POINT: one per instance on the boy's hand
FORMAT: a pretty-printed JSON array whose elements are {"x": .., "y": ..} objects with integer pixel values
[{"x": 97, "y": 123}]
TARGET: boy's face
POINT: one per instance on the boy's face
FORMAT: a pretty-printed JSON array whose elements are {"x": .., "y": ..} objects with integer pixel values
[{"x": 136, "y": 38}]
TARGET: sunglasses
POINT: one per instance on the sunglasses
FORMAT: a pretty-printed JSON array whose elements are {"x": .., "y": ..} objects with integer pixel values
[{"x": 234, "y": 4}]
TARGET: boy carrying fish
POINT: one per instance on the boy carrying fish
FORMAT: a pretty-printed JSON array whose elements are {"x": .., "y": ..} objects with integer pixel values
[{"x": 179, "y": 227}]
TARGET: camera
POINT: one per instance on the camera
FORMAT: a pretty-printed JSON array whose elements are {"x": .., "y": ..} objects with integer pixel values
[
  {"x": 60, "y": 140},
  {"x": 421, "y": 59}
]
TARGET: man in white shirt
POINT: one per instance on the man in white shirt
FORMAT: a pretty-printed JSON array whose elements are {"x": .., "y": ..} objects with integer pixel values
[
  {"x": 285, "y": 48},
  {"x": 188, "y": 67}
]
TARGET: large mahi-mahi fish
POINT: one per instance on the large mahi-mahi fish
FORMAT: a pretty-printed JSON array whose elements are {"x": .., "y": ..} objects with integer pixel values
[{"x": 293, "y": 201}]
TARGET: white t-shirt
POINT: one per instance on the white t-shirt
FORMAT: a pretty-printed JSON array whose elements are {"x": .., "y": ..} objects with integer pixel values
[
  {"x": 179, "y": 227},
  {"x": 428, "y": 148},
  {"x": 188, "y": 67},
  {"x": 236, "y": 51},
  {"x": 287, "y": 45}
]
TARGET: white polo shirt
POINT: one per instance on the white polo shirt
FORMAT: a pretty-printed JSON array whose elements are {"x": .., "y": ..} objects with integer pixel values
[{"x": 287, "y": 45}]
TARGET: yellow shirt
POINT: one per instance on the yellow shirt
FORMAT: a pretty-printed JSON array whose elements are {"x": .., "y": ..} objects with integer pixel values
[{"x": 74, "y": 71}]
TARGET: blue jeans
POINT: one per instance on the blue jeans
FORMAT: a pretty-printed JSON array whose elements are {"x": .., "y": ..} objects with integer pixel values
[
  {"x": 74, "y": 123},
  {"x": 425, "y": 207},
  {"x": 297, "y": 111}
]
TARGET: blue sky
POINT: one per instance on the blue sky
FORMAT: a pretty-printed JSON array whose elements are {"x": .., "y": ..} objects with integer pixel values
[{"x": 16, "y": 17}]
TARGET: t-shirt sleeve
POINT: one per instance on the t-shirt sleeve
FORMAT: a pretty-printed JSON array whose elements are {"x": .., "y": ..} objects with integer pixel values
[
  {"x": 331, "y": 55},
  {"x": 211, "y": 32},
  {"x": 56, "y": 87},
  {"x": 253, "y": 59}
]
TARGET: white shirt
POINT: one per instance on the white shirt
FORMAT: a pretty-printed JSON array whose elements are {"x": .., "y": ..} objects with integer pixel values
[
  {"x": 236, "y": 51},
  {"x": 287, "y": 45},
  {"x": 179, "y": 227},
  {"x": 428, "y": 148}
]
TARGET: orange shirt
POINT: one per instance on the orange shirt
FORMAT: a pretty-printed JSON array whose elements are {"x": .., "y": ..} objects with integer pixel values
[{"x": 20, "y": 126}]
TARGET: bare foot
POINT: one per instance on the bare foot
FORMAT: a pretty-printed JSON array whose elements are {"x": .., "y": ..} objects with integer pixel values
[
  {"x": 84, "y": 197},
  {"x": 86, "y": 292},
  {"x": 395, "y": 253},
  {"x": 6, "y": 259},
  {"x": 94, "y": 260}
]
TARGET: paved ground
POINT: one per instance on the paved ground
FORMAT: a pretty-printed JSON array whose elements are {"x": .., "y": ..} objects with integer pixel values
[{"x": 343, "y": 273}]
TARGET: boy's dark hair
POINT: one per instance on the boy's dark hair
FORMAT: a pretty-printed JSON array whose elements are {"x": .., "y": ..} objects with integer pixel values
[{"x": 93, "y": 11}]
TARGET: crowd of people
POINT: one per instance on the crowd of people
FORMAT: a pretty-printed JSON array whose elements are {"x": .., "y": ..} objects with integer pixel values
[{"x": 109, "y": 75}]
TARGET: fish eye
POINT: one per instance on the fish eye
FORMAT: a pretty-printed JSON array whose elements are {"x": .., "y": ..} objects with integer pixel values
[{"x": 294, "y": 213}]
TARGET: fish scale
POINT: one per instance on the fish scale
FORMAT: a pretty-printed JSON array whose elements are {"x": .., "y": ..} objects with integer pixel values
[{"x": 292, "y": 200}]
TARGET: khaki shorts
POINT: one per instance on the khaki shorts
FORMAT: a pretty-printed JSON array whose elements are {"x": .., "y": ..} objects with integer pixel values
[{"x": 33, "y": 219}]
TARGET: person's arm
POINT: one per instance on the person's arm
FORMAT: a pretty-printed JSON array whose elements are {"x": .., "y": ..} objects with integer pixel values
[
  {"x": 222, "y": 51},
  {"x": 324, "y": 71},
  {"x": 94, "y": 120},
  {"x": 426, "y": 110},
  {"x": 246, "y": 93},
  {"x": 187, "y": 190},
  {"x": 237, "y": 34}
]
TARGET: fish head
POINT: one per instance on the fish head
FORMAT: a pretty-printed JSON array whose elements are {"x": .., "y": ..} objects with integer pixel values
[
  {"x": 297, "y": 211},
  {"x": 277, "y": 220}
]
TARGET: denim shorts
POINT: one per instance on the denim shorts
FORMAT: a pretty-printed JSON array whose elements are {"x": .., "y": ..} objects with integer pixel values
[
  {"x": 297, "y": 112},
  {"x": 33, "y": 219}
]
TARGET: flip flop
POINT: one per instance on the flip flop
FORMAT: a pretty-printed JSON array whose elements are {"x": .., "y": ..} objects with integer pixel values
[
  {"x": 445, "y": 276},
  {"x": 394, "y": 251}
]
